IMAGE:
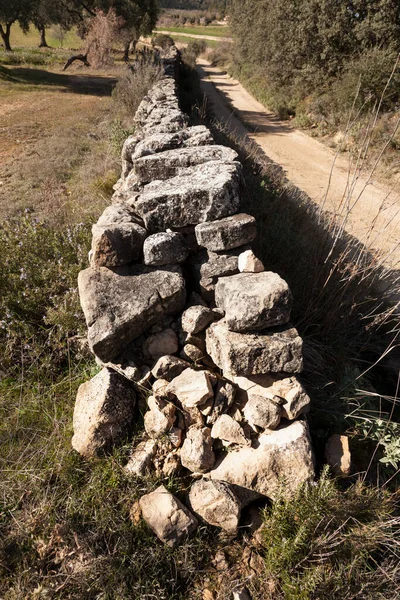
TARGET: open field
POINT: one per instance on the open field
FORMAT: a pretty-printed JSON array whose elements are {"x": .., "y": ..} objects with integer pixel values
[
  {"x": 31, "y": 39},
  {"x": 210, "y": 30},
  {"x": 45, "y": 166}
]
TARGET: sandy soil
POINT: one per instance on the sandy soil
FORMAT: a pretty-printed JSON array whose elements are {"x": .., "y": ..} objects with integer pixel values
[{"x": 374, "y": 216}]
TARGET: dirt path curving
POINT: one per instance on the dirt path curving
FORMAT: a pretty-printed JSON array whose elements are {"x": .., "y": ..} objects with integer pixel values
[{"x": 309, "y": 165}]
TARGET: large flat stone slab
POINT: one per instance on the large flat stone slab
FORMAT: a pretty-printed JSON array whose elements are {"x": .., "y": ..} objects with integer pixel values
[
  {"x": 228, "y": 233},
  {"x": 272, "y": 351},
  {"x": 201, "y": 193},
  {"x": 254, "y": 301},
  {"x": 283, "y": 460},
  {"x": 170, "y": 163},
  {"x": 121, "y": 304},
  {"x": 152, "y": 144}
]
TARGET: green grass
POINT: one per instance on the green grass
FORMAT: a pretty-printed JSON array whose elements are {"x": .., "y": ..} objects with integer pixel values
[
  {"x": 215, "y": 31},
  {"x": 31, "y": 39},
  {"x": 186, "y": 40}
]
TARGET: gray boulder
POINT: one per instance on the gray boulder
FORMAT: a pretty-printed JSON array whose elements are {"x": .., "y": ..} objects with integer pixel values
[
  {"x": 165, "y": 249},
  {"x": 228, "y": 233},
  {"x": 103, "y": 413},
  {"x": 216, "y": 504},
  {"x": 282, "y": 461},
  {"x": 167, "y": 516},
  {"x": 140, "y": 462},
  {"x": 196, "y": 318},
  {"x": 168, "y": 164},
  {"x": 186, "y": 138},
  {"x": 201, "y": 193},
  {"x": 254, "y": 301},
  {"x": 116, "y": 244},
  {"x": 197, "y": 451},
  {"x": 273, "y": 351},
  {"x": 121, "y": 304},
  {"x": 169, "y": 367}
]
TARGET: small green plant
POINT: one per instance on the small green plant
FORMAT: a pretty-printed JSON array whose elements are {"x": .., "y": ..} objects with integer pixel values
[{"x": 330, "y": 543}]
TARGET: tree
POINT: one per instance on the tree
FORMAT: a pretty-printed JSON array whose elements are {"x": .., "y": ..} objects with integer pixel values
[{"x": 12, "y": 11}]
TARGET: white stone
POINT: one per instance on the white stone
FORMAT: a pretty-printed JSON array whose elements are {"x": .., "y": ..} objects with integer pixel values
[
  {"x": 197, "y": 454},
  {"x": 283, "y": 461},
  {"x": 140, "y": 462},
  {"x": 228, "y": 430},
  {"x": 216, "y": 504},
  {"x": 161, "y": 344},
  {"x": 249, "y": 263},
  {"x": 167, "y": 516},
  {"x": 192, "y": 388}
]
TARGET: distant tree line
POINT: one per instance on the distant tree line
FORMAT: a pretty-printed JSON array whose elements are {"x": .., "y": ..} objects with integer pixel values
[
  {"x": 290, "y": 48},
  {"x": 204, "y": 5},
  {"x": 135, "y": 17}
]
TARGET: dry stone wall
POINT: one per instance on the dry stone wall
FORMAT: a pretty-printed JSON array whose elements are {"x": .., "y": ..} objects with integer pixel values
[{"x": 177, "y": 303}]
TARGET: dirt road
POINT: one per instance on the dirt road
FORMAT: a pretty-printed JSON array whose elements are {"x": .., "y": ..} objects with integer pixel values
[{"x": 310, "y": 165}]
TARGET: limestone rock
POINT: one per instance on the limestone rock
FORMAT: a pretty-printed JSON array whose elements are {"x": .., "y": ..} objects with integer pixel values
[
  {"x": 262, "y": 412},
  {"x": 103, "y": 413},
  {"x": 165, "y": 249},
  {"x": 273, "y": 351},
  {"x": 207, "y": 267},
  {"x": 216, "y": 504},
  {"x": 166, "y": 516},
  {"x": 159, "y": 142},
  {"x": 118, "y": 213},
  {"x": 161, "y": 344},
  {"x": 198, "y": 194},
  {"x": 120, "y": 304},
  {"x": 284, "y": 457},
  {"x": 159, "y": 389},
  {"x": 140, "y": 461},
  {"x": 249, "y": 263},
  {"x": 228, "y": 430},
  {"x": 169, "y": 367},
  {"x": 168, "y": 164},
  {"x": 295, "y": 400},
  {"x": 227, "y": 233},
  {"x": 196, "y": 318},
  {"x": 159, "y": 419},
  {"x": 192, "y": 388},
  {"x": 225, "y": 394},
  {"x": 338, "y": 456},
  {"x": 197, "y": 453},
  {"x": 254, "y": 301},
  {"x": 192, "y": 353},
  {"x": 116, "y": 244}
]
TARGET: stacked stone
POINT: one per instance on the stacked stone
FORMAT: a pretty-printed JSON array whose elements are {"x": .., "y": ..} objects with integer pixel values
[{"x": 177, "y": 303}]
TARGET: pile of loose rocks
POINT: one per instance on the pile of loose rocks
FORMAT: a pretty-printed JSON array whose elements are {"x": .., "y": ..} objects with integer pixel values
[{"x": 177, "y": 304}]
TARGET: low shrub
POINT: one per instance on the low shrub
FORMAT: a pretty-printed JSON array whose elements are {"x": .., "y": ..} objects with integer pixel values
[
  {"x": 162, "y": 41},
  {"x": 331, "y": 543},
  {"x": 134, "y": 84}
]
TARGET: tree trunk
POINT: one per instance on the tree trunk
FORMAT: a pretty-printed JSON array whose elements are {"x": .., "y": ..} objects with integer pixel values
[
  {"x": 5, "y": 34},
  {"x": 126, "y": 51},
  {"x": 42, "y": 31},
  {"x": 81, "y": 57}
]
